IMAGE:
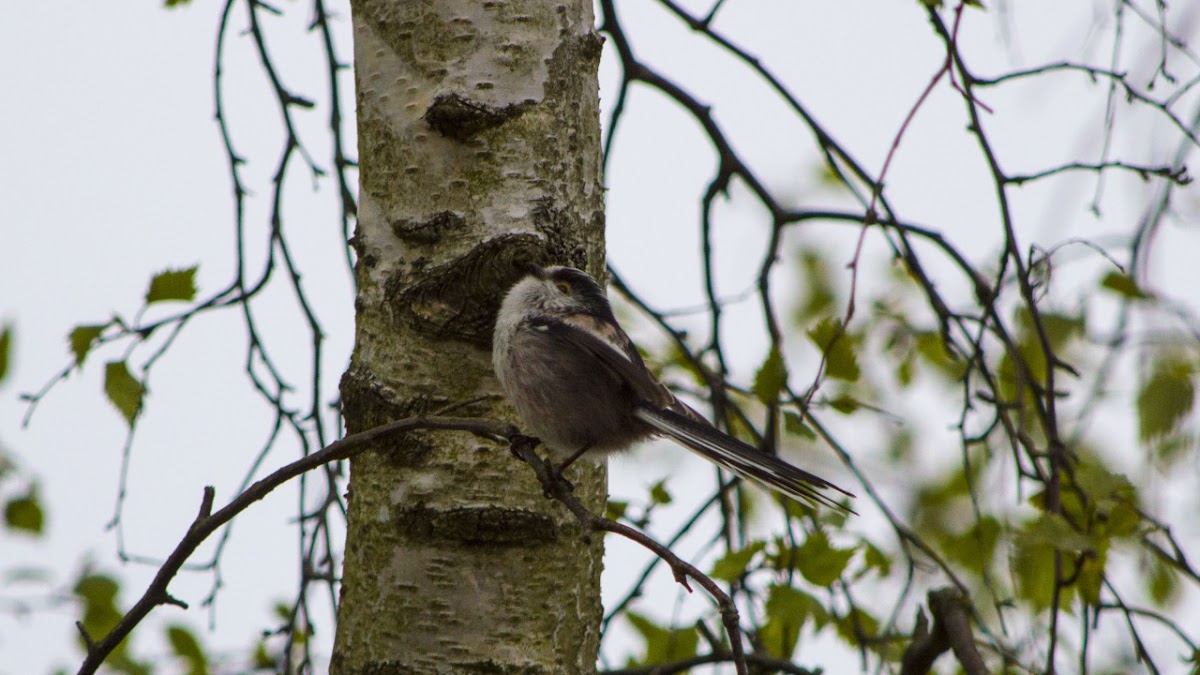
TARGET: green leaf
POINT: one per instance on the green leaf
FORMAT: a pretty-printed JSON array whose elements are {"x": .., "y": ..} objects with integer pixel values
[
  {"x": 172, "y": 4},
  {"x": 819, "y": 562},
  {"x": 1090, "y": 576},
  {"x": 659, "y": 494},
  {"x": 801, "y": 510},
  {"x": 794, "y": 425},
  {"x": 1098, "y": 482},
  {"x": 1122, "y": 285},
  {"x": 123, "y": 390},
  {"x": 838, "y": 347},
  {"x": 791, "y": 603},
  {"x": 97, "y": 589},
  {"x": 1052, "y": 531},
  {"x": 771, "y": 378},
  {"x": 876, "y": 559},
  {"x": 904, "y": 370},
  {"x": 1165, "y": 399},
  {"x": 975, "y": 548},
  {"x": 186, "y": 647},
  {"x": 5, "y": 348},
  {"x": 24, "y": 513},
  {"x": 616, "y": 509},
  {"x": 262, "y": 658},
  {"x": 932, "y": 348},
  {"x": 1083, "y": 562},
  {"x": 82, "y": 338},
  {"x": 676, "y": 356},
  {"x": 733, "y": 564},
  {"x": 845, "y": 404},
  {"x": 1061, "y": 329},
  {"x": 858, "y": 628},
  {"x": 817, "y": 284},
  {"x": 1111, "y": 499},
  {"x": 664, "y": 645},
  {"x": 1162, "y": 583},
  {"x": 1173, "y": 447},
  {"x": 98, "y": 595},
  {"x": 1120, "y": 519},
  {"x": 172, "y": 285},
  {"x": 787, "y": 609}
]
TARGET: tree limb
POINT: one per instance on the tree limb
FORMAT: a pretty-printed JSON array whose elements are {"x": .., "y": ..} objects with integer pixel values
[
  {"x": 560, "y": 490},
  {"x": 769, "y": 663},
  {"x": 207, "y": 522},
  {"x": 951, "y": 631}
]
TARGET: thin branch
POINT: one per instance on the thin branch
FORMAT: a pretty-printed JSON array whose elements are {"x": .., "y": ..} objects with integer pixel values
[
  {"x": 207, "y": 521},
  {"x": 762, "y": 661},
  {"x": 557, "y": 488}
]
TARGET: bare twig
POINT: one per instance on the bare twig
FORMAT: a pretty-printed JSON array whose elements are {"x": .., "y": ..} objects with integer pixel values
[
  {"x": 207, "y": 521},
  {"x": 761, "y": 661}
]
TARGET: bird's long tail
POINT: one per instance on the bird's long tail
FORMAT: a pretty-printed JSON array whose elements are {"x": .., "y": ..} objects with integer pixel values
[{"x": 741, "y": 458}]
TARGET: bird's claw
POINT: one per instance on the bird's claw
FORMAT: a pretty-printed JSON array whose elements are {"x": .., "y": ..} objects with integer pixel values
[{"x": 519, "y": 442}]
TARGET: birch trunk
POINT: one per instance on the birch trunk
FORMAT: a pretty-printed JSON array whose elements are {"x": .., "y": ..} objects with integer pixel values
[{"x": 479, "y": 144}]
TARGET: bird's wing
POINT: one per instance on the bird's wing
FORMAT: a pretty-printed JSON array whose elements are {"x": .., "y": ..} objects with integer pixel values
[
  {"x": 741, "y": 458},
  {"x": 660, "y": 410},
  {"x": 612, "y": 351}
]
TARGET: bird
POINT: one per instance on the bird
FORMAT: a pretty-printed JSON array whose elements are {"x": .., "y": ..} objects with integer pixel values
[{"x": 580, "y": 386}]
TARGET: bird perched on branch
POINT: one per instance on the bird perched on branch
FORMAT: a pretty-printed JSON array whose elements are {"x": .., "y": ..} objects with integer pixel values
[{"x": 580, "y": 386}]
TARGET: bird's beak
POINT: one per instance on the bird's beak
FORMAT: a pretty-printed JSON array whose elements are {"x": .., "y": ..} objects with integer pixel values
[{"x": 536, "y": 271}]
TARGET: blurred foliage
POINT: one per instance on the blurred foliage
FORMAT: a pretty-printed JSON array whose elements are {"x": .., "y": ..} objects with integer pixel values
[
  {"x": 1167, "y": 396},
  {"x": 662, "y": 645},
  {"x": 82, "y": 338},
  {"x": 123, "y": 390},
  {"x": 187, "y": 648},
  {"x": 178, "y": 285},
  {"x": 770, "y": 378},
  {"x": 23, "y": 513},
  {"x": 839, "y": 348},
  {"x": 97, "y": 594},
  {"x": 733, "y": 564}
]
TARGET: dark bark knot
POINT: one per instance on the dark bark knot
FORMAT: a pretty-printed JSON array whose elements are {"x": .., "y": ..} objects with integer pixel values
[
  {"x": 477, "y": 525},
  {"x": 457, "y": 117},
  {"x": 430, "y": 230},
  {"x": 459, "y": 300}
]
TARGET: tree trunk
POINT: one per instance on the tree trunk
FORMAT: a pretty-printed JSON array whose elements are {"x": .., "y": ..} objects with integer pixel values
[{"x": 479, "y": 144}]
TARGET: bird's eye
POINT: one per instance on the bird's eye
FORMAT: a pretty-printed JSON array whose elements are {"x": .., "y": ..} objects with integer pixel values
[{"x": 563, "y": 286}]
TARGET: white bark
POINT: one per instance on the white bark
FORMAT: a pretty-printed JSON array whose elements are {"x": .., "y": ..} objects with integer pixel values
[{"x": 479, "y": 145}]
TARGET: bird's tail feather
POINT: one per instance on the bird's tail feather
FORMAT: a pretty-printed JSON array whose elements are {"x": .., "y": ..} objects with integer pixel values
[{"x": 741, "y": 458}]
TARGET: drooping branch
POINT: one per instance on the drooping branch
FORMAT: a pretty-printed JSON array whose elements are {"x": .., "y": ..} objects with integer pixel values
[
  {"x": 207, "y": 521},
  {"x": 560, "y": 490}
]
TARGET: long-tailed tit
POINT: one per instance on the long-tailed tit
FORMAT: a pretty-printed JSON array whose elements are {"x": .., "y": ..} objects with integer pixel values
[{"x": 581, "y": 387}]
